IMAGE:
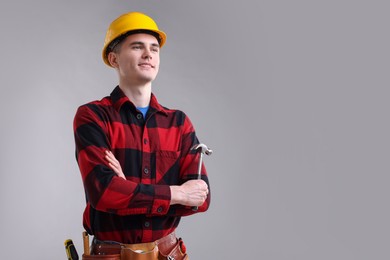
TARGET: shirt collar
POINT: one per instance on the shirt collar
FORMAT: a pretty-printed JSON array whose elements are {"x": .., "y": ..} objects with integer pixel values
[{"x": 119, "y": 99}]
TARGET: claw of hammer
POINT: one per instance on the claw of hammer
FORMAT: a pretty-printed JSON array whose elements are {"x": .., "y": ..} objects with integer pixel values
[{"x": 202, "y": 149}]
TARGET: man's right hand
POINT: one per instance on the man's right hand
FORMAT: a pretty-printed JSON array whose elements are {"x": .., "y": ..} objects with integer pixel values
[
  {"x": 114, "y": 164},
  {"x": 191, "y": 193}
]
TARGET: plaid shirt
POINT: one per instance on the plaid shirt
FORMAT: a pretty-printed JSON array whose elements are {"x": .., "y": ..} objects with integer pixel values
[{"x": 154, "y": 153}]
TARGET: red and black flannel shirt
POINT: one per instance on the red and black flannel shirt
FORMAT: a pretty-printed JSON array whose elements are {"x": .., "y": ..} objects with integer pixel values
[{"x": 154, "y": 153}]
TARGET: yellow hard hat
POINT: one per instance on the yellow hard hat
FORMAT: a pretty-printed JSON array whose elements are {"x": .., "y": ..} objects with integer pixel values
[{"x": 130, "y": 22}]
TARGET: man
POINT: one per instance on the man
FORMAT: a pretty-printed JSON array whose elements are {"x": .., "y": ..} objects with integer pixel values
[{"x": 138, "y": 169}]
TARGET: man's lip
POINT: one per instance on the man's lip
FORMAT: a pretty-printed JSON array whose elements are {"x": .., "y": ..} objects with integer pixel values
[{"x": 146, "y": 64}]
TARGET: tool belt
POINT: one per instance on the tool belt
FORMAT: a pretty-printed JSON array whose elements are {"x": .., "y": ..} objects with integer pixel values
[{"x": 167, "y": 248}]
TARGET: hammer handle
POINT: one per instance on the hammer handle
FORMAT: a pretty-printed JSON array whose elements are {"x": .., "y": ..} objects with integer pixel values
[{"x": 195, "y": 208}]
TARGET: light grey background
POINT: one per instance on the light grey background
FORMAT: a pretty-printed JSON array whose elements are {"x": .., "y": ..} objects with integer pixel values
[{"x": 291, "y": 95}]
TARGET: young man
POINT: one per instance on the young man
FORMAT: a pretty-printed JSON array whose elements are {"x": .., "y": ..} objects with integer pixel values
[{"x": 138, "y": 169}]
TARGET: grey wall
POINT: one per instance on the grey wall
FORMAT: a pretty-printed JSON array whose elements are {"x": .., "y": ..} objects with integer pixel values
[{"x": 291, "y": 95}]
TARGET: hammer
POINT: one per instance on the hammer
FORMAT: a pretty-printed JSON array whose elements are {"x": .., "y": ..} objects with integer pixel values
[{"x": 202, "y": 149}]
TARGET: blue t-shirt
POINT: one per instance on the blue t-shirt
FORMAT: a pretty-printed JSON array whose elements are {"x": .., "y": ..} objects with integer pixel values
[{"x": 143, "y": 110}]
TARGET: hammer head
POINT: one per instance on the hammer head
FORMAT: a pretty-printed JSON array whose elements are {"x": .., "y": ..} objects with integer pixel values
[{"x": 202, "y": 148}]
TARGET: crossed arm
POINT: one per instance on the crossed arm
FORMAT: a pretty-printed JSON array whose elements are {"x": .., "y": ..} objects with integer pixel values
[{"x": 190, "y": 193}]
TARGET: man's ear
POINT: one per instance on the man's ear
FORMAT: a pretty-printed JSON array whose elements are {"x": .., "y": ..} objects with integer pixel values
[{"x": 112, "y": 59}]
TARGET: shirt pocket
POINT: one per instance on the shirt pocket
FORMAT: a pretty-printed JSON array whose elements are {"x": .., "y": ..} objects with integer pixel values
[{"x": 167, "y": 167}]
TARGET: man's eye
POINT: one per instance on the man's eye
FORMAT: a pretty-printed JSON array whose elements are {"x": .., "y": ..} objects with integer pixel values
[
  {"x": 136, "y": 47},
  {"x": 155, "y": 50}
]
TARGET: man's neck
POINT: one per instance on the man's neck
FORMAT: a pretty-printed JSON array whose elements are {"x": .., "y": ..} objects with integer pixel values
[{"x": 138, "y": 94}]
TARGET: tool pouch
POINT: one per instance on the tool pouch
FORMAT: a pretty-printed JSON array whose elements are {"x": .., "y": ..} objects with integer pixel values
[
  {"x": 102, "y": 257},
  {"x": 131, "y": 254},
  {"x": 178, "y": 252},
  {"x": 104, "y": 252}
]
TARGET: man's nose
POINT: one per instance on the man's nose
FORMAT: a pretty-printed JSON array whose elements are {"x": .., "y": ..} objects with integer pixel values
[{"x": 147, "y": 54}]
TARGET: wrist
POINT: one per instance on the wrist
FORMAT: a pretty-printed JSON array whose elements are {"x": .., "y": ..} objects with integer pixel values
[{"x": 176, "y": 195}]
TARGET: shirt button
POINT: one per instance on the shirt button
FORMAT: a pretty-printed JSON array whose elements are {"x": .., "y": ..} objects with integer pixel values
[
  {"x": 159, "y": 209},
  {"x": 145, "y": 141},
  {"x": 147, "y": 224},
  {"x": 146, "y": 171},
  {"x": 139, "y": 116}
]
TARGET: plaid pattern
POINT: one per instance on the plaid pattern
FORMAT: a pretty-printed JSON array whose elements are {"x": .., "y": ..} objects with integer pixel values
[{"x": 154, "y": 154}]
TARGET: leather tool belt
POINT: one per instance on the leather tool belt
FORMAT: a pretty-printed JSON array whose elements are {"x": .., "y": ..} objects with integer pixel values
[{"x": 166, "y": 248}]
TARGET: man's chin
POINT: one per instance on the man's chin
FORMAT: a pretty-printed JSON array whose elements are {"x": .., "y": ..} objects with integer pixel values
[{"x": 147, "y": 78}]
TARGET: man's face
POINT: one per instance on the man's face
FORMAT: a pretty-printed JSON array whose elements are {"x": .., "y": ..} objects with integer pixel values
[{"x": 138, "y": 58}]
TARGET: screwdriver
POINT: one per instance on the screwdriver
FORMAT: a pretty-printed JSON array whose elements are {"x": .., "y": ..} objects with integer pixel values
[{"x": 71, "y": 250}]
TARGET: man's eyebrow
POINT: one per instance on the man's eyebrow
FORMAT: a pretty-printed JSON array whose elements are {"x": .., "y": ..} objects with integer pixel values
[{"x": 142, "y": 43}]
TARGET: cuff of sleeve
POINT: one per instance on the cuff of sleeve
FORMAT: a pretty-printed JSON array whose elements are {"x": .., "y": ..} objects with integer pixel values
[{"x": 162, "y": 198}]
